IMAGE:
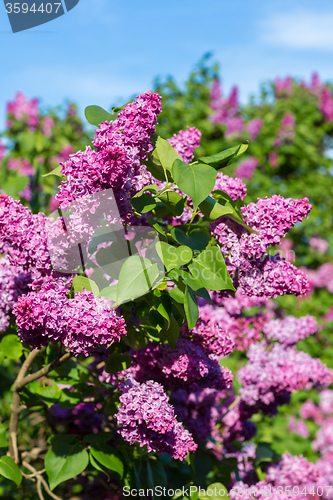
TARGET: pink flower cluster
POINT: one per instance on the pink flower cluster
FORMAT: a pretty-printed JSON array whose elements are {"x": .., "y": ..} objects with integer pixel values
[
  {"x": 234, "y": 187},
  {"x": 82, "y": 324},
  {"x": 21, "y": 165},
  {"x": 271, "y": 375},
  {"x": 24, "y": 111},
  {"x": 13, "y": 283},
  {"x": 247, "y": 167},
  {"x": 145, "y": 416},
  {"x": 226, "y": 110},
  {"x": 287, "y": 131},
  {"x": 290, "y": 330},
  {"x": 321, "y": 277},
  {"x": 283, "y": 88},
  {"x": 211, "y": 337},
  {"x": 185, "y": 142},
  {"x": 23, "y": 236}
]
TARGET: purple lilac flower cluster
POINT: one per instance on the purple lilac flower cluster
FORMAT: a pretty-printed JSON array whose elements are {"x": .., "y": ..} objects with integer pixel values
[
  {"x": 290, "y": 330},
  {"x": 23, "y": 236},
  {"x": 234, "y": 187},
  {"x": 24, "y": 111},
  {"x": 211, "y": 337},
  {"x": 13, "y": 283},
  {"x": 145, "y": 416},
  {"x": 185, "y": 142},
  {"x": 82, "y": 324},
  {"x": 271, "y": 375},
  {"x": 247, "y": 167}
]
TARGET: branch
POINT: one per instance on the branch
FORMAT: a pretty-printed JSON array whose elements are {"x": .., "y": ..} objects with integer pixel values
[
  {"x": 20, "y": 382},
  {"x": 40, "y": 481}
]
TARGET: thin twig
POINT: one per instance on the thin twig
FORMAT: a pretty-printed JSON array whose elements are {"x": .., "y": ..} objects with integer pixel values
[
  {"x": 41, "y": 480},
  {"x": 20, "y": 382}
]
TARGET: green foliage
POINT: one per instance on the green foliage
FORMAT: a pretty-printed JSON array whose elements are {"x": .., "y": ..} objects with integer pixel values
[
  {"x": 10, "y": 470},
  {"x": 96, "y": 115},
  {"x": 65, "y": 459}
]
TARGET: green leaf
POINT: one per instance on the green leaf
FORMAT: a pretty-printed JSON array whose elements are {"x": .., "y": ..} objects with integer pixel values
[
  {"x": 56, "y": 171},
  {"x": 49, "y": 394},
  {"x": 97, "y": 115},
  {"x": 224, "y": 199},
  {"x": 136, "y": 278},
  {"x": 3, "y": 436},
  {"x": 11, "y": 347},
  {"x": 213, "y": 210},
  {"x": 98, "y": 466},
  {"x": 226, "y": 157},
  {"x": 81, "y": 282},
  {"x": 66, "y": 459},
  {"x": 165, "y": 154},
  {"x": 13, "y": 186},
  {"x": 152, "y": 188},
  {"x": 110, "y": 292},
  {"x": 117, "y": 362},
  {"x": 197, "y": 180},
  {"x": 173, "y": 201},
  {"x": 197, "y": 239},
  {"x": 143, "y": 203},
  {"x": 170, "y": 336},
  {"x": 173, "y": 257},
  {"x": 10, "y": 470},
  {"x": 156, "y": 170},
  {"x": 191, "y": 308},
  {"x": 105, "y": 455},
  {"x": 215, "y": 491},
  {"x": 210, "y": 269},
  {"x": 177, "y": 295}
]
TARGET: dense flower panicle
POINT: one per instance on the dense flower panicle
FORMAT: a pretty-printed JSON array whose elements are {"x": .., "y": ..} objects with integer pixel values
[
  {"x": 23, "y": 110},
  {"x": 21, "y": 165},
  {"x": 271, "y": 374},
  {"x": 243, "y": 330},
  {"x": 247, "y": 167},
  {"x": 23, "y": 236},
  {"x": 299, "y": 427},
  {"x": 272, "y": 218},
  {"x": 326, "y": 104},
  {"x": 234, "y": 126},
  {"x": 254, "y": 127},
  {"x": 234, "y": 306},
  {"x": 146, "y": 416},
  {"x": 235, "y": 188},
  {"x": 198, "y": 409},
  {"x": 309, "y": 410},
  {"x": 273, "y": 159},
  {"x": 186, "y": 364},
  {"x": 185, "y": 142},
  {"x": 92, "y": 171},
  {"x": 324, "y": 438},
  {"x": 132, "y": 129},
  {"x": 13, "y": 283},
  {"x": 82, "y": 324},
  {"x": 326, "y": 401},
  {"x": 211, "y": 337},
  {"x": 283, "y": 88},
  {"x": 290, "y": 330},
  {"x": 287, "y": 131},
  {"x": 321, "y": 277},
  {"x": 2, "y": 151},
  {"x": 318, "y": 244},
  {"x": 48, "y": 124},
  {"x": 272, "y": 277},
  {"x": 292, "y": 471}
]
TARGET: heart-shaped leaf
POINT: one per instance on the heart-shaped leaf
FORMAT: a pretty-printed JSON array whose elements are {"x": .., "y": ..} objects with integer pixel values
[
  {"x": 136, "y": 278},
  {"x": 196, "y": 180},
  {"x": 10, "y": 470},
  {"x": 213, "y": 210},
  {"x": 173, "y": 257},
  {"x": 143, "y": 203},
  {"x": 197, "y": 239},
  {"x": 210, "y": 269},
  {"x": 173, "y": 201},
  {"x": 67, "y": 458},
  {"x": 97, "y": 115}
]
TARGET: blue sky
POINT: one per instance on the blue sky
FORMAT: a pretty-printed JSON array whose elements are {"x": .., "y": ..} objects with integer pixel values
[{"x": 104, "y": 51}]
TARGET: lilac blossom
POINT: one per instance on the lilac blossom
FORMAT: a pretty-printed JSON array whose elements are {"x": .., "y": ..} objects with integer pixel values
[
  {"x": 13, "y": 283},
  {"x": 185, "y": 142},
  {"x": 247, "y": 167},
  {"x": 82, "y": 324},
  {"x": 24, "y": 111},
  {"x": 271, "y": 375},
  {"x": 254, "y": 127},
  {"x": 318, "y": 244},
  {"x": 234, "y": 187},
  {"x": 146, "y": 416},
  {"x": 290, "y": 330}
]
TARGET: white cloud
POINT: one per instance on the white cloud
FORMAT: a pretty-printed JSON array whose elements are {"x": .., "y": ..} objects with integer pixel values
[{"x": 301, "y": 29}]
